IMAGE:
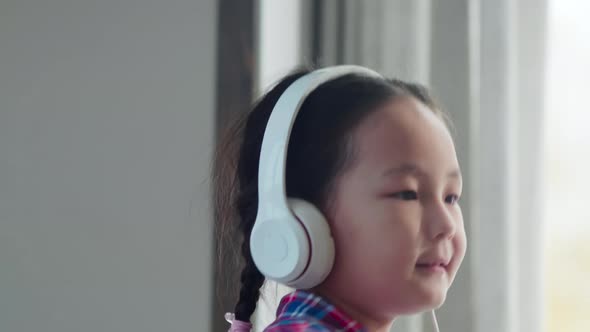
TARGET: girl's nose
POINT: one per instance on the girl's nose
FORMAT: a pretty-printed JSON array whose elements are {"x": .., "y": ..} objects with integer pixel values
[{"x": 440, "y": 221}]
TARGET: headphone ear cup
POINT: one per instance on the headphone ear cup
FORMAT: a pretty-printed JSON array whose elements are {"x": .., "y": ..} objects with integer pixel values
[
  {"x": 280, "y": 247},
  {"x": 321, "y": 244}
]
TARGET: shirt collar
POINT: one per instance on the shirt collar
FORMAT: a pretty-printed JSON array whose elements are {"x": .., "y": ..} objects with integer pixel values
[{"x": 304, "y": 304}]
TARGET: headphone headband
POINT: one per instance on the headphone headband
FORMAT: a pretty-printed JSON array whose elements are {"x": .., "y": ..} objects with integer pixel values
[
  {"x": 273, "y": 154},
  {"x": 291, "y": 240}
]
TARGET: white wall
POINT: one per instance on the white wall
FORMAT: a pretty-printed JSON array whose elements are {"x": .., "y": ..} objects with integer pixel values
[
  {"x": 106, "y": 125},
  {"x": 279, "y": 48}
]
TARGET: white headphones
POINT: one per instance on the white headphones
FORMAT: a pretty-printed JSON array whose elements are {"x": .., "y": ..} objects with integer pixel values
[{"x": 291, "y": 241}]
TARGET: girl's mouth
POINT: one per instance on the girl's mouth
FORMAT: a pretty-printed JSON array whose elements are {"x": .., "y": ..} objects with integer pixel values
[{"x": 437, "y": 266}]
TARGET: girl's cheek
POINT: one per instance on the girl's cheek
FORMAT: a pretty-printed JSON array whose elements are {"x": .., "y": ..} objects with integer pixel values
[{"x": 460, "y": 247}]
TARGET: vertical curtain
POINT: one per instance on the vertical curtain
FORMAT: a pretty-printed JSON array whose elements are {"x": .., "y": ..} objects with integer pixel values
[{"x": 531, "y": 64}]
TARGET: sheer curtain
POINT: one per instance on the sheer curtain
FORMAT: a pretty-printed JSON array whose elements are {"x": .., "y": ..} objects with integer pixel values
[{"x": 484, "y": 61}]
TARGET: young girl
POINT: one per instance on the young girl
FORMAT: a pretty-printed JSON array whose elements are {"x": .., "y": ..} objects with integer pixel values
[{"x": 375, "y": 156}]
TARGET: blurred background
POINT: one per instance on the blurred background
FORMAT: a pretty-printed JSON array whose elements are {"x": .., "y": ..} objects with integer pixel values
[{"x": 109, "y": 111}]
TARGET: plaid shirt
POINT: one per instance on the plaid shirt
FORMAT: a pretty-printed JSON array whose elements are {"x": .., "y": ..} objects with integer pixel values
[{"x": 303, "y": 311}]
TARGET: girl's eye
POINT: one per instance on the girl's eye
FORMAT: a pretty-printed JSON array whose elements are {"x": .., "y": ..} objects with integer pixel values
[
  {"x": 452, "y": 199},
  {"x": 406, "y": 195}
]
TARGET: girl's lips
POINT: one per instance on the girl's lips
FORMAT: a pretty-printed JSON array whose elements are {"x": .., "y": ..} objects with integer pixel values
[{"x": 432, "y": 267}]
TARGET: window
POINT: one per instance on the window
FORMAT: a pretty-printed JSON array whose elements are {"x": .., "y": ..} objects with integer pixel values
[{"x": 567, "y": 171}]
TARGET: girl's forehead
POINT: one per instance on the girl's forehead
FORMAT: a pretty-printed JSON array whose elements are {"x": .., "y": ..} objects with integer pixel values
[
  {"x": 404, "y": 131},
  {"x": 403, "y": 121}
]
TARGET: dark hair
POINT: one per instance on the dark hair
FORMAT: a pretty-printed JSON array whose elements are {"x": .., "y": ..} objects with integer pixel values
[{"x": 320, "y": 148}]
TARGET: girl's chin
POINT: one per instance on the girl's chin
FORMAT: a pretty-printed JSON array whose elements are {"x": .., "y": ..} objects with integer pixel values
[
  {"x": 432, "y": 297},
  {"x": 423, "y": 303}
]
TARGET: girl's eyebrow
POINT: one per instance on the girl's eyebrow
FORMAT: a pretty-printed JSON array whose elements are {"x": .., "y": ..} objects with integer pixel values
[{"x": 415, "y": 170}]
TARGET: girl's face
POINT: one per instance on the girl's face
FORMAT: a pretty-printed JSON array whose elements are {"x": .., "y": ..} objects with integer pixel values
[{"x": 394, "y": 215}]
